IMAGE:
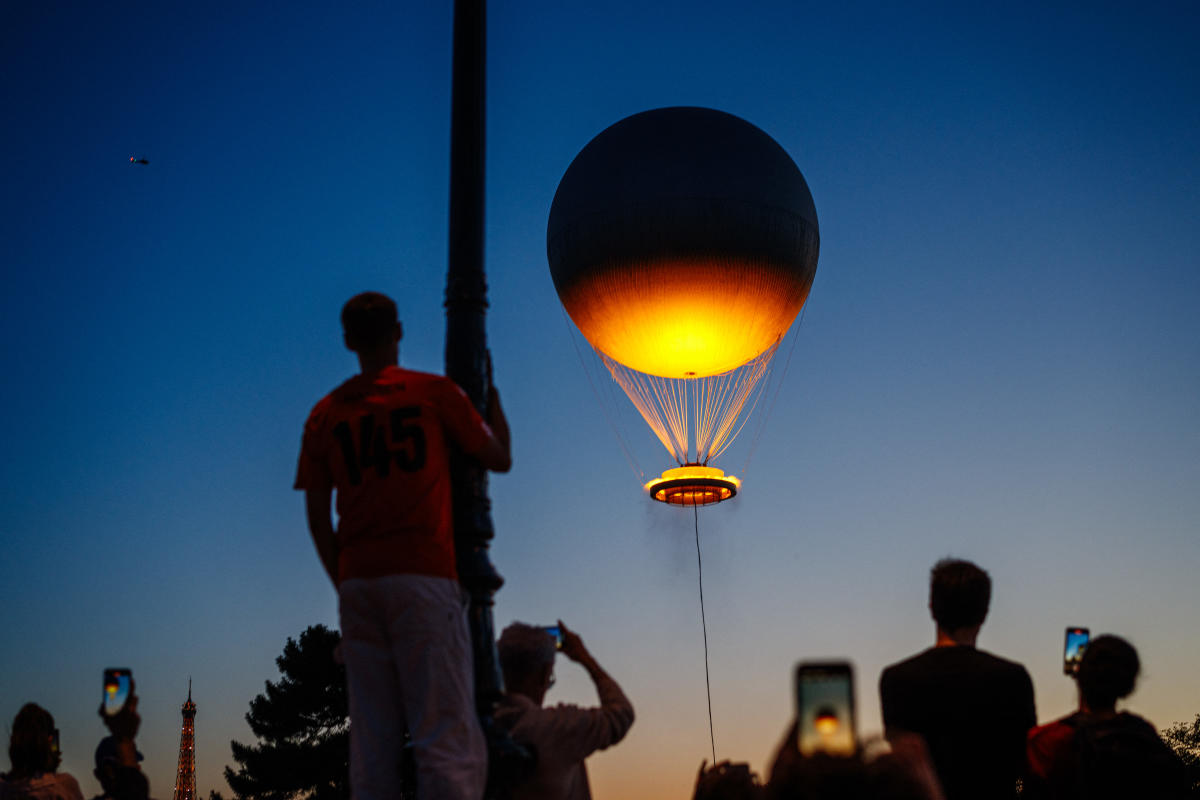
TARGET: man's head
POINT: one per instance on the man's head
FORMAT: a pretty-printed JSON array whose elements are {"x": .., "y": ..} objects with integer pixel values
[
  {"x": 959, "y": 593},
  {"x": 370, "y": 324},
  {"x": 1107, "y": 672},
  {"x": 527, "y": 660}
]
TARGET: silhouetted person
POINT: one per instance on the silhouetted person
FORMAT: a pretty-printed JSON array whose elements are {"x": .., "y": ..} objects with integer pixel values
[
  {"x": 382, "y": 441},
  {"x": 1097, "y": 753},
  {"x": 117, "y": 758},
  {"x": 561, "y": 736},
  {"x": 905, "y": 773},
  {"x": 33, "y": 750},
  {"x": 972, "y": 708},
  {"x": 727, "y": 781}
]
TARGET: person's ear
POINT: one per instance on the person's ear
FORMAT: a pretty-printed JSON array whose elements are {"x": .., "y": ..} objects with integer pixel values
[{"x": 399, "y": 330}]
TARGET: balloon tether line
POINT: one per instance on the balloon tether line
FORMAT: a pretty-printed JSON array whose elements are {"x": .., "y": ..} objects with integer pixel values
[{"x": 704, "y": 627}]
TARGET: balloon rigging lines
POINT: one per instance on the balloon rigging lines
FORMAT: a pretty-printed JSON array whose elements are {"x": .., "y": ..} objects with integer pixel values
[
  {"x": 762, "y": 421},
  {"x": 713, "y": 403},
  {"x": 733, "y": 397},
  {"x": 637, "y": 471}
]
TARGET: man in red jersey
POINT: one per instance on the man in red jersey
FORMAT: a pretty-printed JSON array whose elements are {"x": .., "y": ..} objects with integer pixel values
[{"x": 382, "y": 440}]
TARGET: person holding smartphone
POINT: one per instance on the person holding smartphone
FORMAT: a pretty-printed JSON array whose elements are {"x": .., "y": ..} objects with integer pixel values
[
  {"x": 33, "y": 749},
  {"x": 116, "y": 756},
  {"x": 1098, "y": 752},
  {"x": 562, "y": 736}
]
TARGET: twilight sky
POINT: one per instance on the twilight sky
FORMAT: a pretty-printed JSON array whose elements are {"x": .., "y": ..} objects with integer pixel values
[{"x": 1000, "y": 358}]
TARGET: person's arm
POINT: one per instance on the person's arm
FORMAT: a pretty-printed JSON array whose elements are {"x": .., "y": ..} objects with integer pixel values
[
  {"x": 128, "y": 781},
  {"x": 888, "y": 705},
  {"x": 499, "y": 455},
  {"x": 68, "y": 787},
  {"x": 318, "y": 505},
  {"x": 602, "y": 727},
  {"x": 314, "y": 477},
  {"x": 487, "y": 442},
  {"x": 1026, "y": 722},
  {"x": 1030, "y": 718}
]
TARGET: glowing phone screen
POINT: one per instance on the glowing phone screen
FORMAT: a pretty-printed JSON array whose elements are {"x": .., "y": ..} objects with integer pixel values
[
  {"x": 1077, "y": 640},
  {"x": 825, "y": 709},
  {"x": 116, "y": 690}
]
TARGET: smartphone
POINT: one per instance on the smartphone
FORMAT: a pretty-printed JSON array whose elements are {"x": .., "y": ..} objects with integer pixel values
[
  {"x": 825, "y": 708},
  {"x": 556, "y": 632},
  {"x": 117, "y": 684},
  {"x": 1076, "y": 643}
]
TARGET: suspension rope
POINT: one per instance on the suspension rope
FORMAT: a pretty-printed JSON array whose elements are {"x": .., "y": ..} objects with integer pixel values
[
  {"x": 703, "y": 411},
  {"x": 704, "y": 627},
  {"x": 762, "y": 420},
  {"x": 749, "y": 384},
  {"x": 633, "y": 465}
]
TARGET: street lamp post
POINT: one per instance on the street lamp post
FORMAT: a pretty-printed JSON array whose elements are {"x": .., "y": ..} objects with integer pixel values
[{"x": 467, "y": 365}]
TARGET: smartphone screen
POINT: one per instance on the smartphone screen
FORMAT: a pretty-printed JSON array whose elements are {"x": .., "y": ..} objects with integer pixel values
[
  {"x": 1077, "y": 639},
  {"x": 556, "y": 632},
  {"x": 825, "y": 708},
  {"x": 117, "y": 683}
]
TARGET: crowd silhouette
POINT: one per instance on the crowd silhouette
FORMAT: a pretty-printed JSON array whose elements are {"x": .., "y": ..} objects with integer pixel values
[
  {"x": 34, "y": 753},
  {"x": 959, "y": 723}
]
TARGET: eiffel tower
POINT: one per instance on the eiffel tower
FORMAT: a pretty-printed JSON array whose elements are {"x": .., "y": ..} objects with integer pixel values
[{"x": 185, "y": 779}]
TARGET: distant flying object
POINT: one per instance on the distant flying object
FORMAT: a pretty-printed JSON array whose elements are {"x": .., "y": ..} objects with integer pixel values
[{"x": 133, "y": 160}]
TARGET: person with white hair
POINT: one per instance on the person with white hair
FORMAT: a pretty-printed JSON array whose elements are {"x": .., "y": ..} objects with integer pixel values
[{"x": 561, "y": 736}]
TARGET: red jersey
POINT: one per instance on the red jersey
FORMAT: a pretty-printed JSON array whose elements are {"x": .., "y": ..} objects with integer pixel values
[{"x": 380, "y": 440}]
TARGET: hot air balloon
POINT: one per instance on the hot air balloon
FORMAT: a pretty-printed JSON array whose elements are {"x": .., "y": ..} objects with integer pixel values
[{"x": 683, "y": 243}]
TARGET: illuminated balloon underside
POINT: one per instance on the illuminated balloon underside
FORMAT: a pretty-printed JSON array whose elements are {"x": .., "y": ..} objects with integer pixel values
[{"x": 685, "y": 318}]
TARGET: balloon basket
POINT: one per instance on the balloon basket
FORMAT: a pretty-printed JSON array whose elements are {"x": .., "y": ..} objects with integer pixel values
[{"x": 693, "y": 485}]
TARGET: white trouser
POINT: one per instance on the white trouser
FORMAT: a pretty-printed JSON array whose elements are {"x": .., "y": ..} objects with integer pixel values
[{"x": 408, "y": 665}]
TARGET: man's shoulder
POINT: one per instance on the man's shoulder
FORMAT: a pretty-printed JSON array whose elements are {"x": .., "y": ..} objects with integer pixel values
[
  {"x": 1002, "y": 666},
  {"x": 513, "y": 705},
  {"x": 435, "y": 388},
  {"x": 519, "y": 713},
  {"x": 1054, "y": 731},
  {"x": 520, "y": 707},
  {"x": 913, "y": 664},
  {"x": 402, "y": 375},
  {"x": 358, "y": 387},
  {"x": 343, "y": 392},
  {"x": 953, "y": 659}
]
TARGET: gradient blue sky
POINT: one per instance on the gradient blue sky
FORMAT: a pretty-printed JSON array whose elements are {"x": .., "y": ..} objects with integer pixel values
[{"x": 999, "y": 359}]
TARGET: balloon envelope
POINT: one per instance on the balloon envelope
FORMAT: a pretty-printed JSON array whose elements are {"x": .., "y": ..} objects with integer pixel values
[{"x": 682, "y": 242}]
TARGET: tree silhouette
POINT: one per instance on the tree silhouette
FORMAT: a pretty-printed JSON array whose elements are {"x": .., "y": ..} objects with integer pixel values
[
  {"x": 1184, "y": 739},
  {"x": 303, "y": 727}
]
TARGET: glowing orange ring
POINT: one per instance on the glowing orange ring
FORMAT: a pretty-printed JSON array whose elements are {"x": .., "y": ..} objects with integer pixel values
[{"x": 693, "y": 485}]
